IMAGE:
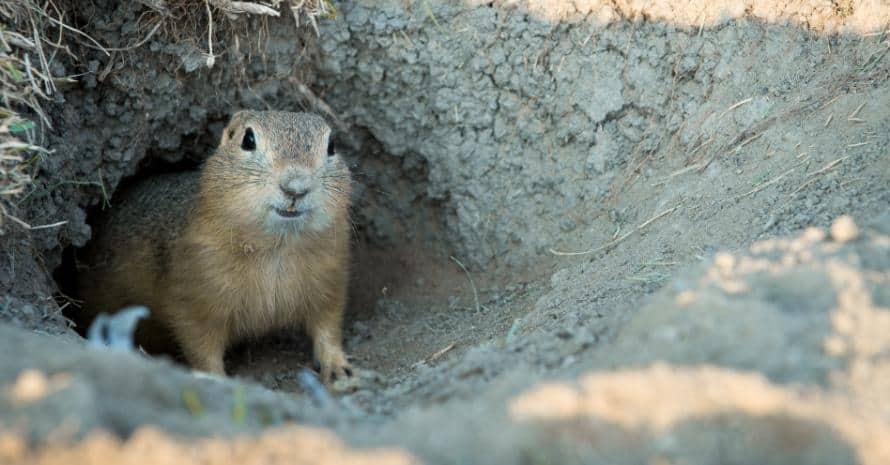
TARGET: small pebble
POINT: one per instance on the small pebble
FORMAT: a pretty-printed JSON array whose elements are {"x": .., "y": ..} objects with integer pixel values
[
  {"x": 32, "y": 385},
  {"x": 686, "y": 298},
  {"x": 29, "y": 386},
  {"x": 724, "y": 262},
  {"x": 834, "y": 346},
  {"x": 813, "y": 234},
  {"x": 844, "y": 229}
]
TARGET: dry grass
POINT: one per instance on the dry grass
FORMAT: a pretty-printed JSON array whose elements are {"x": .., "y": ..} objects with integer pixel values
[
  {"x": 25, "y": 81},
  {"x": 198, "y": 21},
  {"x": 303, "y": 11},
  {"x": 617, "y": 240}
]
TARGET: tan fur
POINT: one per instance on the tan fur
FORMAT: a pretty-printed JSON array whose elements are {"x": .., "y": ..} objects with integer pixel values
[{"x": 212, "y": 260}]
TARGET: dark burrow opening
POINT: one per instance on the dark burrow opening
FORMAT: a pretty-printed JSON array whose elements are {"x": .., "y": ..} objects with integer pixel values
[{"x": 397, "y": 252}]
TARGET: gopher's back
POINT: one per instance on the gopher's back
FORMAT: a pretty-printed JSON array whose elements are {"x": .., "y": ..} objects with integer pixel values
[{"x": 131, "y": 250}]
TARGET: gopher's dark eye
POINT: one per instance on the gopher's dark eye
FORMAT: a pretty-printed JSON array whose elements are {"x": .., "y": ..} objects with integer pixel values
[
  {"x": 249, "y": 141},
  {"x": 331, "y": 149}
]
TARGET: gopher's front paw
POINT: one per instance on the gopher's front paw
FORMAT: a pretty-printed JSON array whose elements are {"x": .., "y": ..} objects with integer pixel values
[
  {"x": 336, "y": 372},
  {"x": 332, "y": 366}
]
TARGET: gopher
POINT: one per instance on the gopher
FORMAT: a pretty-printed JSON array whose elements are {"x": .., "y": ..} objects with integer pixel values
[{"x": 256, "y": 241}]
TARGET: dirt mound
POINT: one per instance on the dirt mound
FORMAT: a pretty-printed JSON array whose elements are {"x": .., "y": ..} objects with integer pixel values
[
  {"x": 587, "y": 232},
  {"x": 798, "y": 325}
]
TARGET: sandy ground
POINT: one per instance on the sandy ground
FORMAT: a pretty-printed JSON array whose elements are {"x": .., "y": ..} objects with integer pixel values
[{"x": 646, "y": 199}]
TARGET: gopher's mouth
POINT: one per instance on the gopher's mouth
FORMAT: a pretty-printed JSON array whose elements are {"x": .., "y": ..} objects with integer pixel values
[{"x": 289, "y": 212}]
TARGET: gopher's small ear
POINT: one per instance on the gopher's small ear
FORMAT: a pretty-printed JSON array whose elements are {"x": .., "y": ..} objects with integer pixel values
[
  {"x": 235, "y": 123},
  {"x": 238, "y": 118}
]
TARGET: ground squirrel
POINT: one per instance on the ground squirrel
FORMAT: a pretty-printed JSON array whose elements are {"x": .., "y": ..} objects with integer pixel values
[{"x": 257, "y": 240}]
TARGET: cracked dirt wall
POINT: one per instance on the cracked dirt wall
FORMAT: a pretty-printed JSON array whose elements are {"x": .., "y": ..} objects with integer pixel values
[{"x": 531, "y": 115}]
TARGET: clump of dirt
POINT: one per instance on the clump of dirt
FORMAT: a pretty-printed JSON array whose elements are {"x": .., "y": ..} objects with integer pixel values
[
  {"x": 582, "y": 233},
  {"x": 292, "y": 445}
]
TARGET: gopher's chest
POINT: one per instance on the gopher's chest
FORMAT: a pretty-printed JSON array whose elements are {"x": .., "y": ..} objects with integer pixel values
[
  {"x": 273, "y": 292},
  {"x": 258, "y": 293},
  {"x": 254, "y": 291}
]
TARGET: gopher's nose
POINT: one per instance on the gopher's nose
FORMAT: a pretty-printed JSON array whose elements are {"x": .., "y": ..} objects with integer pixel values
[{"x": 295, "y": 190}]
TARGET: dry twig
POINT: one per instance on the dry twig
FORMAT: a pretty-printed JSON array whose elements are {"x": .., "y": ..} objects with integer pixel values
[{"x": 620, "y": 239}]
